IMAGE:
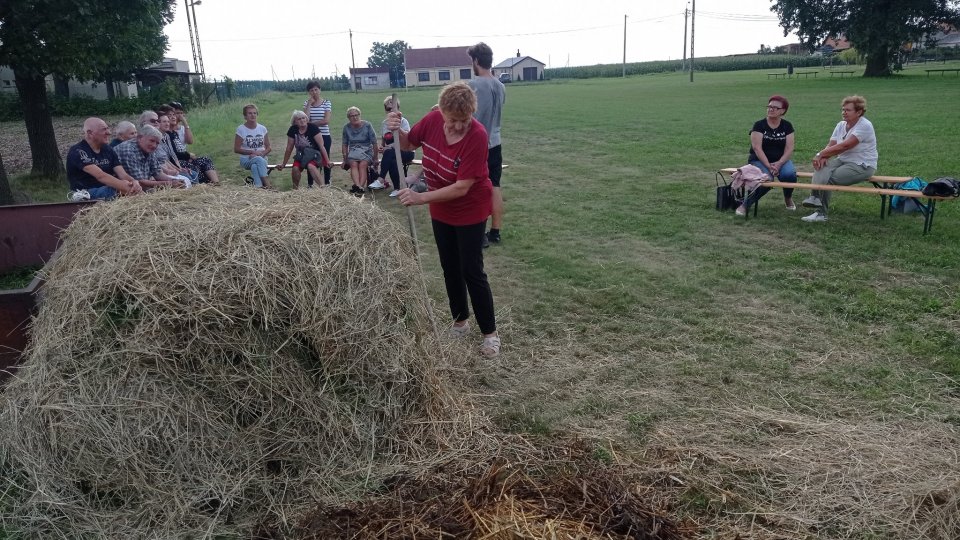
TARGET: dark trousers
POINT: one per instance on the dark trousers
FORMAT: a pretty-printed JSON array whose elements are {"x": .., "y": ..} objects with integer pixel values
[
  {"x": 327, "y": 143},
  {"x": 461, "y": 257},
  {"x": 388, "y": 164}
]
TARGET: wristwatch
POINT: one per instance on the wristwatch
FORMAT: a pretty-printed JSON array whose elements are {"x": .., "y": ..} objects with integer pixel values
[{"x": 817, "y": 156}]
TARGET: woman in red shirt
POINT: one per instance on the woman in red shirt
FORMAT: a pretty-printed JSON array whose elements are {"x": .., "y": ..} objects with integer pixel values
[{"x": 454, "y": 147}]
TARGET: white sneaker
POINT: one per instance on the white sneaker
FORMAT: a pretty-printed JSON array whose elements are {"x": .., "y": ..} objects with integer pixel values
[
  {"x": 394, "y": 193},
  {"x": 79, "y": 195},
  {"x": 812, "y": 202},
  {"x": 377, "y": 184},
  {"x": 815, "y": 217}
]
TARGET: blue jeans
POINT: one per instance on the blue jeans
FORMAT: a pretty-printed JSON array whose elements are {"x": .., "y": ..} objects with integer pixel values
[
  {"x": 102, "y": 192},
  {"x": 788, "y": 173},
  {"x": 257, "y": 165}
]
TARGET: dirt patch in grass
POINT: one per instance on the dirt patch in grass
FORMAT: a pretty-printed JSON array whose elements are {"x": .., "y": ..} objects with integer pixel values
[{"x": 15, "y": 147}]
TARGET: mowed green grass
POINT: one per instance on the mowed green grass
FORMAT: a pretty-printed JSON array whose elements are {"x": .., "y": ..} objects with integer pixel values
[{"x": 755, "y": 363}]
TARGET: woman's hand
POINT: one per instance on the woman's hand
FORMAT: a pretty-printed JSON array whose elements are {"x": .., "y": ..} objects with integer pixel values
[
  {"x": 409, "y": 197},
  {"x": 775, "y": 169},
  {"x": 393, "y": 120}
]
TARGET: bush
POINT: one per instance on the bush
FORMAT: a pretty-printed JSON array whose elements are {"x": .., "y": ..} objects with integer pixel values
[{"x": 170, "y": 90}]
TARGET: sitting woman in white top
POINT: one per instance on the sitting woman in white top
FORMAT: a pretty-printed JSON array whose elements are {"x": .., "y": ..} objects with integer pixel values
[
  {"x": 253, "y": 145},
  {"x": 853, "y": 147}
]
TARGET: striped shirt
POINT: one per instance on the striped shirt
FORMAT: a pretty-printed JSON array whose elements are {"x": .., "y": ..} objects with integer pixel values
[{"x": 318, "y": 112}]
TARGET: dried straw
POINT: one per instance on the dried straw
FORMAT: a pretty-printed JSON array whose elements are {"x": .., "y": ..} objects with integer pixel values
[
  {"x": 558, "y": 493},
  {"x": 209, "y": 361}
]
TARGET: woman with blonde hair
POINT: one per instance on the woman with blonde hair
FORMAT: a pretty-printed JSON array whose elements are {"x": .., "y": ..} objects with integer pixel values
[
  {"x": 359, "y": 149},
  {"x": 853, "y": 147},
  {"x": 310, "y": 155},
  {"x": 454, "y": 147},
  {"x": 253, "y": 144}
]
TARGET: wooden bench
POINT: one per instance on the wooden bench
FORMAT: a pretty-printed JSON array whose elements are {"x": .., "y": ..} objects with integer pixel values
[
  {"x": 776, "y": 75},
  {"x": 276, "y": 166},
  {"x": 882, "y": 186},
  {"x": 943, "y": 71},
  {"x": 842, "y": 73},
  {"x": 805, "y": 73}
]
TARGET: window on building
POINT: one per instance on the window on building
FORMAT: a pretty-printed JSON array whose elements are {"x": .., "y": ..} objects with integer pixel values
[
  {"x": 443, "y": 75},
  {"x": 370, "y": 80},
  {"x": 423, "y": 76},
  {"x": 466, "y": 74}
]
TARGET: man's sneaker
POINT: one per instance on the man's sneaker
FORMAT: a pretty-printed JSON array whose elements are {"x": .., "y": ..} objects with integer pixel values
[
  {"x": 493, "y": 237},
  {"x": 812, "y": 202},
  {"x": 394, "y": 193},
  {"x": 377, "y": 184},
  {"x": 248, "y": 180},
  {"x": 815, "y": 217},
  {"x": 79, "y": 195}
]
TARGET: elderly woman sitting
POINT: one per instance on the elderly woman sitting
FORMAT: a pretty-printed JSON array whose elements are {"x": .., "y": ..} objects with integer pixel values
[
  {"x": 308, "y": 141},
  {"x": 125, "y": 131},
  {"x": 201, "y": 166},
  {"x": 359, "y": 149}
]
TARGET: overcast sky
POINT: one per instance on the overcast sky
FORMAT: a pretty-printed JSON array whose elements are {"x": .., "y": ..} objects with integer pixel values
[{"x": 283, "y": 39}]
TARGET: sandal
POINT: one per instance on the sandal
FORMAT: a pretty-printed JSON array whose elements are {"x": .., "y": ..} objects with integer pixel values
[
  {"x": 458, "y": 331},
  {"x": 490, "y": 347}
]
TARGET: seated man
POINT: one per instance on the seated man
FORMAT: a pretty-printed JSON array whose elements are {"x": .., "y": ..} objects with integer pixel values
[
  {"x": 136, "y": 156},
  {"x": 163, "y": 152},
  {"x": 93, "y": 169}
]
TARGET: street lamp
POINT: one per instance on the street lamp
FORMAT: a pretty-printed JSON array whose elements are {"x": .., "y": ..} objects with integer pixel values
[{"x": 194, "y": 29}]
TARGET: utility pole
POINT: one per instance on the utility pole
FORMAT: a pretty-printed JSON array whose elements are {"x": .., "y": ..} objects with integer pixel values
[
  {"x": 196, "y": 33},
  {"x": 686, "y": 14},
  {"x": 693, "y": 18},
  {"x": 624, "y": 46},
  {"x": 193, "y": 43},
  {"x": 353, "y": 62}
]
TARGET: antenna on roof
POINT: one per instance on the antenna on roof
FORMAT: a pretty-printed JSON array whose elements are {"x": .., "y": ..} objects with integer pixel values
[{"x": 518, "y": 53}]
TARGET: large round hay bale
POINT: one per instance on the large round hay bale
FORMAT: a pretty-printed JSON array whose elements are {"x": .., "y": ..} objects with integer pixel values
[{"x": 208, "y": 361}]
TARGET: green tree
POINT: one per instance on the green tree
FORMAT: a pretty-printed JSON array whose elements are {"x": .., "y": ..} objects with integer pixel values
[
  {"x": 878, "y": 28},
  {"x": 89, "y": 40},
  {"x": 389, "y": 55}
]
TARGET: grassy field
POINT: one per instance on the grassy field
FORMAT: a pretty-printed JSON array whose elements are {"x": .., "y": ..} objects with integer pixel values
[{"x": 769, "y": 377}]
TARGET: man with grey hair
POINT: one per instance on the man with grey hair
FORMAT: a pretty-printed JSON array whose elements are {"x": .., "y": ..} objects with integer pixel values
[
  {"x": 136, "y": 156},
  {"x": 93, "y": 168},
  {"x": 491, "y": 96}
]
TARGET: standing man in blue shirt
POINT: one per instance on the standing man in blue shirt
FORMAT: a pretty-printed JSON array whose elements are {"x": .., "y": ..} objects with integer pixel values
[{"x": 491, "y": 96}]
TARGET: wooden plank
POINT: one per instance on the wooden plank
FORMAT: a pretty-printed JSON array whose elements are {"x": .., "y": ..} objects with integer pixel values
[
  {"x": 879, "y": 179},
  {"x": 913, "y": 194}
]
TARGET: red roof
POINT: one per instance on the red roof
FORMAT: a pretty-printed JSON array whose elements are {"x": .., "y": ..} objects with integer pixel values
[
  {"x": 368, "y": 71},
  {"x": 838, "y": 44},
  {"x": 437, "y": 57}
]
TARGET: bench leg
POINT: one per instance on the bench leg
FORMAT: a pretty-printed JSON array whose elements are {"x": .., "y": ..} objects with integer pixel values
[{"x": 928, "y": 215}]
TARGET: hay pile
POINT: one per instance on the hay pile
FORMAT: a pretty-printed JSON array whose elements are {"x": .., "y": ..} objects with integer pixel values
[
  {"x": 213, "y": 362},
  {"x": 559, "y": 492}
]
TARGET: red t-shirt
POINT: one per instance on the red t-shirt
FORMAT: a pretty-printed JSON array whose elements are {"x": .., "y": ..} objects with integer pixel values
[{"x": 444, "y": 164}]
